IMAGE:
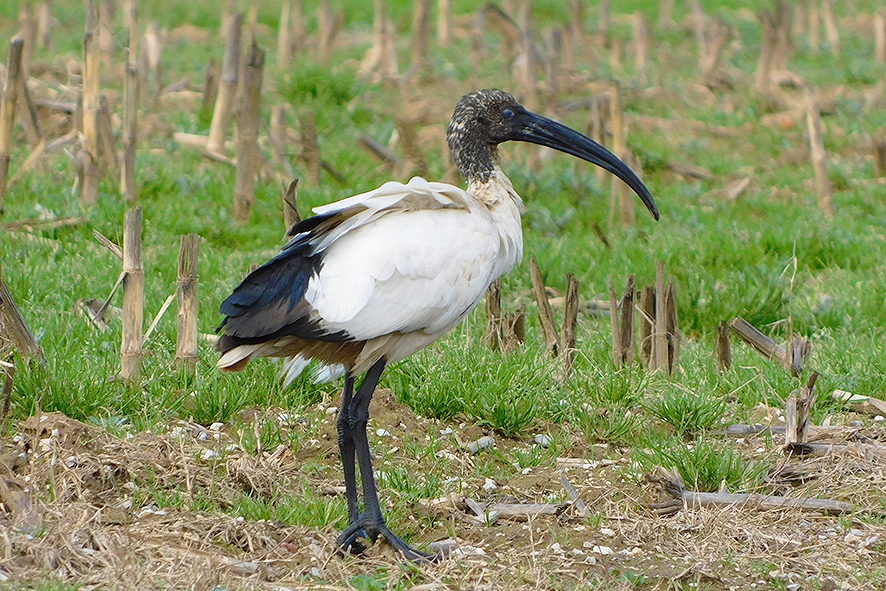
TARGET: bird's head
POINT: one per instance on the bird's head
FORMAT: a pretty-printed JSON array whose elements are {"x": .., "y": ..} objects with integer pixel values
[{"x": 486, "y": 118}]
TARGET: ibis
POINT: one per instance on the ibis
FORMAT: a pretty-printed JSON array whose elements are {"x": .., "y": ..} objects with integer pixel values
[{"x": 373, "y": 278}]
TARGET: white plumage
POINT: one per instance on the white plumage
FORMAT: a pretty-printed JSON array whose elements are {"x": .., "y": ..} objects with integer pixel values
[
  {"x": 373, "y": 278},
  {"x": 405, "y": 264}
]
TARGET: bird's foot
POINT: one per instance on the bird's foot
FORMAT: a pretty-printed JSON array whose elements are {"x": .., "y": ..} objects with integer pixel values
[{"x": 349, "y": 541}]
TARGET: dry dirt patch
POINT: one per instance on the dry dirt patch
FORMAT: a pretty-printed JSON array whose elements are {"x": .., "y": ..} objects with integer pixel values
[{"x": 74, "y": 507}]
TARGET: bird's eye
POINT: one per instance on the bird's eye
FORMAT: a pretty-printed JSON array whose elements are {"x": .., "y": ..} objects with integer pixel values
[{"x": 507, "y": 113}]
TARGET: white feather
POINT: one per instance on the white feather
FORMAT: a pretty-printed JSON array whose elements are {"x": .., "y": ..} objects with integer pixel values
[
  {"x": 294, "y": 366},
  {"x": 421, "y": 270},
  {"x": 402, "y": 265}
]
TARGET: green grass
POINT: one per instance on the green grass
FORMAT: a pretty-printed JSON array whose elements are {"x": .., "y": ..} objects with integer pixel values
[
  {"x": 689, "y": 413},
  {"x": 769, "y": 256},
  {"x": 767, "y": 259},
  {"x": 704, "y": 465}
]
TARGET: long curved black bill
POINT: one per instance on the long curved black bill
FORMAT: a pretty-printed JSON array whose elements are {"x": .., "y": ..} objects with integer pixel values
[{"x": 535, "y": 129}]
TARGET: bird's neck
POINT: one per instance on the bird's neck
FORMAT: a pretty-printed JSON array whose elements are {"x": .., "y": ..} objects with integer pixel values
[
  {"x": 476, "y": 160},
  {"x": 494, "y": 189}
]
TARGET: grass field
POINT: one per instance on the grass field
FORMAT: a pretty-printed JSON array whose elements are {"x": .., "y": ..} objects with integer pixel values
[{"x": 200, "y": 480}]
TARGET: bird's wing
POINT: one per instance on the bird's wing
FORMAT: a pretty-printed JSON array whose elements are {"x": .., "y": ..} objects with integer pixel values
[
  {"x": 418, "y": 271},
  {"x": 394, "y": 259}
]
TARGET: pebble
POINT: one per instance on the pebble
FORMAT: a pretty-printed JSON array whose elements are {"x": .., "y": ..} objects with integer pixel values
[
  {"x": 331, "y": 411},
  {"x": 383, "y": 433},
  {"x": 879, "y": 418},
  {"x": 208, "y": 454},
  {"x": 543, "y": 440},
  {"x": 854, "y": 535},
  {"x": 444, "y": 547},
  {"x": 490, "y": 485},
  {"x": 447, "y": 431},
  {"x": 482, "y": 443},
  {"x": 216, "y": 426},
  {"x": 602, "y": 550},
  {"x": 607, "y": 532}
]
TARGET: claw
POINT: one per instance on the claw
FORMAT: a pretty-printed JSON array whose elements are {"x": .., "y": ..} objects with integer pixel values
[{"x": 348, "y": 541}]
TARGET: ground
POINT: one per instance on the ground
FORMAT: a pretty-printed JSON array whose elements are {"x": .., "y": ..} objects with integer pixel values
[{"x": 69, "y": 490}]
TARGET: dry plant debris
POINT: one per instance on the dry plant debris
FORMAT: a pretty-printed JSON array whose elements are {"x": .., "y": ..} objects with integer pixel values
[{"x": 74, "y": 507}]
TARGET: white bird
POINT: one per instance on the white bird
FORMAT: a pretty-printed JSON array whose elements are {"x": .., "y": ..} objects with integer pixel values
[{"x": 371, "y": 279}]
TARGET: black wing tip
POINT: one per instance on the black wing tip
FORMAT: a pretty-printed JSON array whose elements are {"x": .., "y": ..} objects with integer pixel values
[{"x": 225, "y": 343}]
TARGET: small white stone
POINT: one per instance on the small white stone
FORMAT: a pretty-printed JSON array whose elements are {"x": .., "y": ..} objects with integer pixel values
[
  {"x": 484, "y": 442},
  {"x": 208, "y": 454},
  {"x": 490, "y": 485},
  {"x": 383, "y": 433},
  {"x": 216, "y": 426},
  {"x": 602, "y": 550},
  {"x": 853, "y": 536},
  {"x": 607, "y": 532},
  {"x": 871, "y": 540},
  {"x": 71, "y": 461},
  {"x": 576, "y": 552},
  {"x": 555, "y": 547},
  {"x": 526, "y": 471},
  {"x": 315, "y": 572},
  {"x": 331, "y": 410},
  {"x": 543, "y": 440},
  {"x": 447, "y": 431},
  {"x": 879, "y": 418}
]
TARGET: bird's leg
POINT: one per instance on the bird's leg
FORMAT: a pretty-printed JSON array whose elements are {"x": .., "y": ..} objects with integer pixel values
[
  {"x": 371, "y": 522},
  {"x": 346, "y": 449}
]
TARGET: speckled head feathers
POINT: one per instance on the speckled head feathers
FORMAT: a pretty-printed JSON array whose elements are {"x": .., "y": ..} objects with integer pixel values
[{"x": 477, "y": 126}]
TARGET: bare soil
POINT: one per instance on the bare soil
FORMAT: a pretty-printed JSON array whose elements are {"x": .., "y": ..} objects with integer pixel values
[{"x": 80, "y": 505}]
